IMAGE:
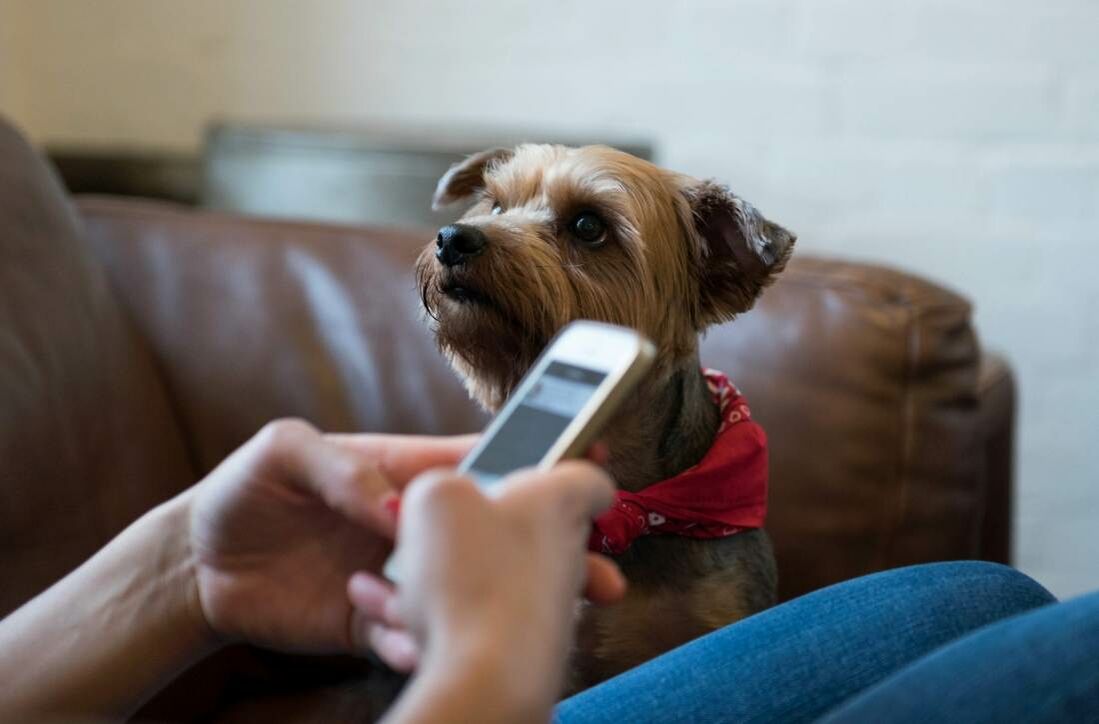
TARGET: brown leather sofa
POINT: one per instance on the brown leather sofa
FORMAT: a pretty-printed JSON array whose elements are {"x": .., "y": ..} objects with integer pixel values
[{"x": 141, "y": 342}]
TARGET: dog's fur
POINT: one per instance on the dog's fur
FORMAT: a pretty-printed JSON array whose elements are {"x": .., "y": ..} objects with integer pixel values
[{"x": 679, "y": 255}]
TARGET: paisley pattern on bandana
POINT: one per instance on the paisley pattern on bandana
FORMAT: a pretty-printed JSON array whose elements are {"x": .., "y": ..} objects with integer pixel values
[{"x": 724, "y": 494}]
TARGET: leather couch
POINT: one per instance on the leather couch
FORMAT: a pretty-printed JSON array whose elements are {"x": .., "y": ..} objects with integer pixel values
[{"x": 141, "y": 342}]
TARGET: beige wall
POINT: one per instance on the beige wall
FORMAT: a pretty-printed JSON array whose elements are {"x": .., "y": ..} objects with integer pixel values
[
  {"x": 154, "y": 72},
  {"x": 11, "y": 91},
  {"x": 957, "y": 138},
  {"x": 146, "y": 73}
]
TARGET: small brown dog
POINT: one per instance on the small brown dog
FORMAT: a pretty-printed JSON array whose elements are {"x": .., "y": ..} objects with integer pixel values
[{"x": 557, "y": 234}]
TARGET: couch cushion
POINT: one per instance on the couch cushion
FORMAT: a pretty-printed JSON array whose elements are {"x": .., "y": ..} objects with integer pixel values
[{"x": 87, "y": 438}]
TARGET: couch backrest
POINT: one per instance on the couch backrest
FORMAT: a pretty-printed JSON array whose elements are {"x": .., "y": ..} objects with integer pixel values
[
  {"x": 87, "y": 437},
  {"x": 253, "y": 320}
]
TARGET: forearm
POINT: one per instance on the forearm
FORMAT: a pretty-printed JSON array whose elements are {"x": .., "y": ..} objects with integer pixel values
[
  {"x": 112, "y": 632},
  {"x": 494, "y": 683}
]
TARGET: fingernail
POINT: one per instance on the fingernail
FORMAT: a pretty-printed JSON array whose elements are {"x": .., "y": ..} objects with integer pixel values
[
  {"x": 392, "y": 504},
  {"x": 358, "y": 582}
]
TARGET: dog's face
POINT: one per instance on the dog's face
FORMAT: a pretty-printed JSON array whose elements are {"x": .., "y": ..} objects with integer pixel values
[{"x": 557, "y": 234}]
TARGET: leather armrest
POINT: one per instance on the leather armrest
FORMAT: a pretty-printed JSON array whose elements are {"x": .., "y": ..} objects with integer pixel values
[
  {"x": 996, "y": 395},
  {"x": 867, "y": 381}
]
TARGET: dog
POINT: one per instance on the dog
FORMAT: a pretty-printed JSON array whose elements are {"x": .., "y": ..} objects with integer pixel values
[{"x": 555, "y": 234}]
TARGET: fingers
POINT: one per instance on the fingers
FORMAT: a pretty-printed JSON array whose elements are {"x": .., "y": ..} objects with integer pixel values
[
  {"x": 605, "y": 583},
  {"x": 355, "y": 473},
  {"x": 587, "y": 486},
  {"x": 396, "y": 647},
  {"x": 376, "y": 624},
  {"x": 402, "y": 457},
  {"x": 581, "y": 487},
  {"x": 347, "y": 481},
  {"x": 459, "y": 543},
  {"x": 599, "y": 454},
  {"x": 441, "y": 491},
  {"x": 375, "y": 598}
]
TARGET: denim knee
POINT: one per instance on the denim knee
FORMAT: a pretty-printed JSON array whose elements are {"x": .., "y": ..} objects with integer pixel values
[
  {"x": 992, "y": 578},
  {"x": 992, "y": 588}
]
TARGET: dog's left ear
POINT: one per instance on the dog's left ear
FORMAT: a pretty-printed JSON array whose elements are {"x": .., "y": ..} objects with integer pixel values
[
  {"x": 741, "y": 251},
  {"x": 465, "y": 177}
]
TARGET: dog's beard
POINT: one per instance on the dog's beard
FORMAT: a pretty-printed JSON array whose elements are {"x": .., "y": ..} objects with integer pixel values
[
  {"x": 478, "y": 332},
  {"x": 493, "y": 318}
]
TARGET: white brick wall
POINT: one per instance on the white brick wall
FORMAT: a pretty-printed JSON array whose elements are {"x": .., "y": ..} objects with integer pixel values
[{"x": 955, "y": 138}]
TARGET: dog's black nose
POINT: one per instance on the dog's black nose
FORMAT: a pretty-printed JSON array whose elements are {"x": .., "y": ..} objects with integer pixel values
[{"x": 457, "y": 243}]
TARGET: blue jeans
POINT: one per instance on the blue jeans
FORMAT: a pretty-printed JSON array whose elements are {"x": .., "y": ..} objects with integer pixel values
[{"x": 964, "y": 641}]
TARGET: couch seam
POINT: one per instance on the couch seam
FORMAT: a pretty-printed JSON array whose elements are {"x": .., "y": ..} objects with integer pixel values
[
  {"x": 906, "y": 444},
  {"x": 190, "y": 217}
]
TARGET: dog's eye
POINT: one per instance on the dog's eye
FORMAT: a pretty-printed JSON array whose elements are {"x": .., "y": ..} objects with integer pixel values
[
  {"x": 588, "y": 228},
  {"x": 497, "y": 208}
]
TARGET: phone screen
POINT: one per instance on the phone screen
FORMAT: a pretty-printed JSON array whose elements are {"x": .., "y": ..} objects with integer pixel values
[{"x": 533, "y": 426}]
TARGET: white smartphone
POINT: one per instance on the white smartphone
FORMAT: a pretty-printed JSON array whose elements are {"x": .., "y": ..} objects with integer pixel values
[
  {"x": 558, "y": 409},
  {"x": 560, "y": 405}
]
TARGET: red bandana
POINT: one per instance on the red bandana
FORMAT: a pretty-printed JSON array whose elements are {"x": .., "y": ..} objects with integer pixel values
[{"x": 724, "y": 494}]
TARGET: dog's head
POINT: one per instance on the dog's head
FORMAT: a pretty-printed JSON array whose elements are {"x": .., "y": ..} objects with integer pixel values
[{"x": 557, "y": 234}]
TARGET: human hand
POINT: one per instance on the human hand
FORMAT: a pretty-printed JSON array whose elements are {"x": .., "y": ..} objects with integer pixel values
[
  {"x": 278, "y": 527},
  {"x": 491, "y": 578}
]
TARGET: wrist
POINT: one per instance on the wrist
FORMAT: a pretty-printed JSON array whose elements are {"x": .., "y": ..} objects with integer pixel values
[
  {"x": 495, "y": 675},
  {"x": 176, "y": 574},
  {"x": 119, "y": 627}
]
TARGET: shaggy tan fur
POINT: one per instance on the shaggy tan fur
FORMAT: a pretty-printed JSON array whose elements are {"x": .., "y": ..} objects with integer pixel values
[{"x": 678, "y": 255}]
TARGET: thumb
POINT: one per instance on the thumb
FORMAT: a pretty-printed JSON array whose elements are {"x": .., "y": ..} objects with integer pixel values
[
  {"x": 605, "y": 583},
  {"x": 579, "y": 489},
  {"x": 346, "y": 480}
]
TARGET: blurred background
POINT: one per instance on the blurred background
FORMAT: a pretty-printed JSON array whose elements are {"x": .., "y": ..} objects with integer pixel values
[{"x": 958, "y": 140}]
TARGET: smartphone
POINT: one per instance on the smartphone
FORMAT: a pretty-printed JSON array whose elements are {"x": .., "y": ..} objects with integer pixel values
[
  {"x": 558, "y": 409},
  {"x": 560, "y": 406}
]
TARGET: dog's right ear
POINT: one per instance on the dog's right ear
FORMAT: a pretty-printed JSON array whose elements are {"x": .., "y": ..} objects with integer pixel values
[
  {"x": 465, "y": 177},
  {"x": 741, "y": 251}
]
